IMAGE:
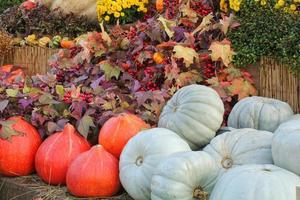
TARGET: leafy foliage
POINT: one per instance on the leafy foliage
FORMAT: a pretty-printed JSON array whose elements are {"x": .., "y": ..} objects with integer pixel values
[
  {"x": 8, "y": 3},
  {"x": 112, "y": 72},
  {"x": 265, "y": 31},
  {"x": 41, "y": 21}
]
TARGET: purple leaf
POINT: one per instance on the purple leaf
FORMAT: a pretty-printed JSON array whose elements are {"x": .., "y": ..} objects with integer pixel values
[
  {"x": 3, "y": 105},
  {"x": 25, "y": 103}
]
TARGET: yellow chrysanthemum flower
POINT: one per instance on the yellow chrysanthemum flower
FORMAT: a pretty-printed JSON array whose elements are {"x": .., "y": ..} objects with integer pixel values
[
  {"x": 293, "y": 7},
  {"x": 107, "y": 18},
  {"x": 122, "y": 14},
  {"x": 117, "y": 14}
]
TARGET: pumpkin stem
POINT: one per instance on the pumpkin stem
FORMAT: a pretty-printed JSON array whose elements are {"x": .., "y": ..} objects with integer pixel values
[
  {"x": 69, "y": 128},
  {"x": 227, "y": 162},
  {"x": 139, "y": 161},
  {"x": 200, "y": 194}
]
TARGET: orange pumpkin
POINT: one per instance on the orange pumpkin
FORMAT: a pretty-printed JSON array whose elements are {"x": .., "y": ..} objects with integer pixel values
[
  {"x": 159, "y": 5},
  {"x": 57, "y": 152},
  {"x": 67, "y": 44},
  {"x": 116, "y": 132},
  {"x": 17, "y": 154},
  {"x": 94, "y": 173},
  {"x": 158, "y": 58}
]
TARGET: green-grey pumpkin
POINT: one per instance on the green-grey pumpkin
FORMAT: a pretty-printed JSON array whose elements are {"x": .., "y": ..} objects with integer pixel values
[
  {"x": 259, "y": 113},
  {"x": 286, "y": 145},
  {"x": 142, "y": 154},
  {"x": 241, "y": 147},
  {"x": 184, "y": 176},
  {"x": 195, "y": 113},
  {"x": 256, "y": 182}
]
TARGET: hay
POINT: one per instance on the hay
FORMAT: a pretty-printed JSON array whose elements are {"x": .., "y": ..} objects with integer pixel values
[{"x": 31, "y": 187}]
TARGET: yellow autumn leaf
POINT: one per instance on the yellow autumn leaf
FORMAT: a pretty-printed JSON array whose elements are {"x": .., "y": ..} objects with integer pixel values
[
  {"x": 168, "y": 25},
  {"x": 206, "y": 21},
  {"x": 189, "y": 55},
  {"x": 186, "y": 11},
  {"x": 222, "y": 50}
]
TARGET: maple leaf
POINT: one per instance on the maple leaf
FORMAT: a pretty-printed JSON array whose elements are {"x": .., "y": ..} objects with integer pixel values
[
  {"x": 204, "y": 26},
  {"x": 110, "y": 71},
  {"x": 85, "y": 123},
  {"x": 7, "y": 130},
  {"x": 242, "y": 88},
  {"x": 186, "y": 11},
  {"x": 228, "y": 22},
  {"x": 166, "y": 45},
  {"x": 144, "y": 55},
  {"x": 222, "y": 50},
  {"x": 189, "y": 55},
  {"x": 105, "y": 35},
  {"x": 187, "y": 78},
  {"x": 168, "y": 26},
  {"x": 172, "y": 71}
]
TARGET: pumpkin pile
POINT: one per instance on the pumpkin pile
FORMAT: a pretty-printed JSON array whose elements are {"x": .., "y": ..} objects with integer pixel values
[{"x": 182, "y": 158}]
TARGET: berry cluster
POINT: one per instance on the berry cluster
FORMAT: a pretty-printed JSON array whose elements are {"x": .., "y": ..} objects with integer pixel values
[
  {"x": 209, "y": 70},
  {"x": 87, "y": 97},
  {"x": 201, "y": 8},
  {"x": 171, "y": 8}
]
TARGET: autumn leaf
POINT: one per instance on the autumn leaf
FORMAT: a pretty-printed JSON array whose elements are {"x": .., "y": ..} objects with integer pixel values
[
  {"x": 3, "y": 105},
  {"x": 222, "y": 50},
  {"x": 12, "y": 92},
  {"x": 187, "y": 78},
  {"x": 189, "y": 55},
  {"x": 242, "y": 88},
  {"x": 110, "y": 71},
  {"x": 206, "y": 21},
  {"x": 227, "y": 22},
  {"x": 105, "y": 35},
  {"x": 168, "y": 26},
  {"x": 7, "y": 130},
  {"x": 166, "y": 45},
  {"x": 143, "y": 56},
  {"x": 85, "y": 124},
  {"x": 172, "y": 71},
  {"x": 60, "y": 90},
  {"x": 186, "y": 11}
]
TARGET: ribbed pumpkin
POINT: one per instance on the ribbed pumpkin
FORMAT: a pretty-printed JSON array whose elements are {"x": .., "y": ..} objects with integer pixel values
[
  {"x": 286, "y": 145},
  {"x": 187, "y": 175},
  {"x": 195, "y": 113},
  {"x": 240, "y": 147},
  {"x": 256, "y": 182},
  {"x": 116, "y": 132},
  {"x": 142, "y": 154},
  {"x": 17, "y": 154},
  {"x": 259, "y": 113},
  {"x": 94, "y": 173},
  {"x": 57, "y": 152}
]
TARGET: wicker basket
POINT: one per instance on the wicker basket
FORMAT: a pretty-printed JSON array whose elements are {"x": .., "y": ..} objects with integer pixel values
[{"x": 33, "y": 59}]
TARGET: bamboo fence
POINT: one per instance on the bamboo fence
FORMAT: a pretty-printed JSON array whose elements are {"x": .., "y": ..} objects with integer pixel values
[
  {"x": 276, "y": 81},
  {"x": 34, "y": 60}
]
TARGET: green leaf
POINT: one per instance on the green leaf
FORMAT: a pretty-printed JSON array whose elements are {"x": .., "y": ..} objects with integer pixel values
[
  {"x": 7, "y": 130},
  {"x": 85, "y": 124},
  {"x": 12, "y": 92},
  {"x": 110, "y": 71},
  {"x": 60, "y": 90},
  {"x": 46, "y": 98}
]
